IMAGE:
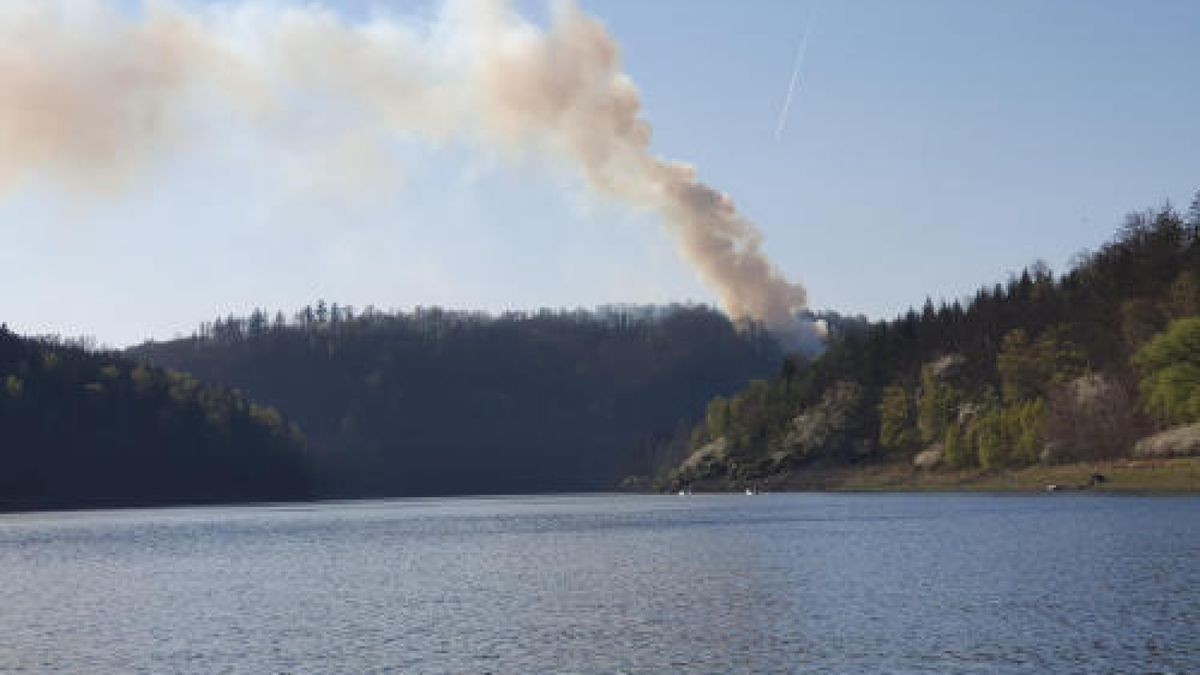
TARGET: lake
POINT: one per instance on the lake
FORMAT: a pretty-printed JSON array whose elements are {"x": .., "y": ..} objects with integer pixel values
[{"x": 850, "y": 583}]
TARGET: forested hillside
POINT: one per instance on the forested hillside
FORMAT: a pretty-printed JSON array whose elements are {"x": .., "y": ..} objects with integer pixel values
[
  {"x": 1041, "y": 369},
  {"x": 441, "y": 402},
  {"x": 86, "y": 429}
]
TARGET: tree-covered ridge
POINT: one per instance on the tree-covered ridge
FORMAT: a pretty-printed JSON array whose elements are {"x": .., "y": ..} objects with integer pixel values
[
  {"x": 81, "y": 429},
  {"x": 434, "y": 401},
  {"x": 1041, "y": 369}
]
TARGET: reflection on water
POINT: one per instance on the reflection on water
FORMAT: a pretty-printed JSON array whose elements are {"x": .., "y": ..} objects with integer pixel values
[{"x": 821, "y": 583}]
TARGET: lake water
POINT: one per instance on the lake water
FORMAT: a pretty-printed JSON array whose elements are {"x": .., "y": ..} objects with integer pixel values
[{"x": 773, "y": 583}]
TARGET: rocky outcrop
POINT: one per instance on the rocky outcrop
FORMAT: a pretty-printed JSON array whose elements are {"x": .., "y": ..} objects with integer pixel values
[
  {"x": 1181, "y": 441},
  {"x": 947, "y": 368},
  {"x": 829, "y": 431},
  {"x": 708, "y": 454},
  {"x": 822, "y": 428},
  {"x": 709, "y": 461},
  {"x": 929, "y": 457},
  {"x": 1090, "y": 417}
]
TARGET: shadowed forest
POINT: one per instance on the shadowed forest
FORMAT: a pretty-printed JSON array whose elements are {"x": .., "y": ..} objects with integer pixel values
[
  {"x": 442, "y": 402},
  {"x": 82, "y": 428}
]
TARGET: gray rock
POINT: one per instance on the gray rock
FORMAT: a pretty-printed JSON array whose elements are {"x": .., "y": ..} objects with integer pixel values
[
  {"x": 1183, "y": 441},
  {"x": 929, "y": 457},
  {"x": 822, "y": 426},
  {"x": 946, "y": 367},
  {"x": 711, "y": 452}
]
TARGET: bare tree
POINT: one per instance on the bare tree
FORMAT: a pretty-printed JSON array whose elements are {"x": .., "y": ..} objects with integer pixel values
[{"x": 1092, "y": 417}]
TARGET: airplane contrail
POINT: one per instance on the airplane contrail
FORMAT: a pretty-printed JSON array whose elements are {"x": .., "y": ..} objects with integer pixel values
[{"x": 801, "y": 51}]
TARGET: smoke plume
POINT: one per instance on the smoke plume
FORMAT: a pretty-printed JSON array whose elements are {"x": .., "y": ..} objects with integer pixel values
[{"x": 90, "y": 95}]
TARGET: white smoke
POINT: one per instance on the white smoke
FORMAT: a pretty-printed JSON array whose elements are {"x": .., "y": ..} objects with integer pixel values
[{"x": 90, "y": 95}]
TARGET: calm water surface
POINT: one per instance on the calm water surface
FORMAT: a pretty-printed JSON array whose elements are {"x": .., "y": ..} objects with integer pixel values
[{"x": 774, "y": 583}]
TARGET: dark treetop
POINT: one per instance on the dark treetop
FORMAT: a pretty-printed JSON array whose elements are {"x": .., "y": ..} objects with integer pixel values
[
  {"x": 82, "y": 429},
  {"x": 442, "y": 402}
]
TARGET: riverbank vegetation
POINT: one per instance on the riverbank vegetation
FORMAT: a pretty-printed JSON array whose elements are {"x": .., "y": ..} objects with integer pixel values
[{"x": 1043, "y": 370}]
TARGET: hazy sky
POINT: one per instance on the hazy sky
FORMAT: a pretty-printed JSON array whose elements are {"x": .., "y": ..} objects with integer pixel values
[{"x": 931, "y": 147}]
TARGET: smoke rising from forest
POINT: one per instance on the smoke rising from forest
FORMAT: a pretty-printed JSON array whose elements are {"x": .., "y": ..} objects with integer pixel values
[{"x": 90, "y": 96}]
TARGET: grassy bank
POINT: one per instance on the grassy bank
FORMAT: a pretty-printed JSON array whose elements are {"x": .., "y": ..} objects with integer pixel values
[{"x": 1180, "y": 475}]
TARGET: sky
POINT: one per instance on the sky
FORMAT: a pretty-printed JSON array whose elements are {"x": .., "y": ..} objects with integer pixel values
[{"x": 931, "y": 147}]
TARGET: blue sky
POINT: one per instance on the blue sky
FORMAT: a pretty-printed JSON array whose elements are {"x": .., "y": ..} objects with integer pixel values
[{"x": 932, "y": 147}]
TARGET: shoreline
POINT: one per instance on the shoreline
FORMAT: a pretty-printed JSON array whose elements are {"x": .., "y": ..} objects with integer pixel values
[{"x": 1145, "y": 476}]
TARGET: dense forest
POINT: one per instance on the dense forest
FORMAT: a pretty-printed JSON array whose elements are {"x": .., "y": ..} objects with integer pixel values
[
  {"x": 441, "y": 402},
  {"x": 83, "y": 429},
  {"x": 1041, "y": 369}
]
